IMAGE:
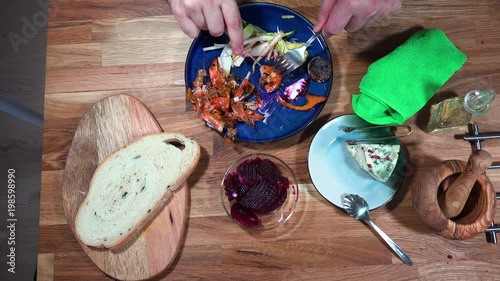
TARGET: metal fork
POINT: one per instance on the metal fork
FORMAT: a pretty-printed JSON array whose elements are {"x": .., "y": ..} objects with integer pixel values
[
  {"x": 292, "y": 59},
  {"x": 395, "y": 136}
]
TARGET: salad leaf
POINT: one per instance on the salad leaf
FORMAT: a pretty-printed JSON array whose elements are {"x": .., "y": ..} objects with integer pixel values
[
  {"x": 248, "y": 31},
  {"x": 257, "y": 44}
]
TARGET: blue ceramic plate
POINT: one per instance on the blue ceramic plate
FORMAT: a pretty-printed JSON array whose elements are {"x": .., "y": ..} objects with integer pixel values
[
  {"x": 334, "y": 171},
  {"x": 281, "y": 122}
]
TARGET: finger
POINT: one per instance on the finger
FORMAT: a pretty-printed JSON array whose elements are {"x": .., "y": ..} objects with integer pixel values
[
  {"x": 341, "y": 15},
  {"x": 234, "y": 26},
  {"x": 324, "y": 13},
  {"x": 198, "y": 18},
  {"x": 388, "y": 9},
  {"x": 214, "y": 20},
  {"x": 185, "y": 23},
  {"x": 396, "y": 6},
  {"x": 374, "y": 18},
  {"x": 382, "y": 13},
  {"x": 183, "y": 20},
  {"x": 362, "y": 12},
  {"x": 189, "y": 10},
  {"x": 189, "y": 27},
  {"x": 355, "y": 23}
]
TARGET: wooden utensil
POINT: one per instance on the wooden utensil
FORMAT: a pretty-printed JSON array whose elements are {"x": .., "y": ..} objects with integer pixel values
[
  {"x": 425, "y": 189},
  {"x": 453, "y": 199},
  {"x": 110, "y": 124}
]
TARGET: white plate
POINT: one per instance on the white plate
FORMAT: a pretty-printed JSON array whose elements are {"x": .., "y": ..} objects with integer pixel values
[{"x": 334, "y": 171}]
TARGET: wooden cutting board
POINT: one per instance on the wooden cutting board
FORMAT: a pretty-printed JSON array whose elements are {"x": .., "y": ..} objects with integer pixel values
[{"x": 108, "y": 125}]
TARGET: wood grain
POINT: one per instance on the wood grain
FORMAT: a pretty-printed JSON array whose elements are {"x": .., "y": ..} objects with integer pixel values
[
  {"x": 131, "y": 29},
  {"x": 319, "y": 242},
  {"x": 144, "y": 52},
  {"x": 107, "y": 126},
  {"x": 113, "y": 77},
  {"x": 70, "y": 10},
  {"x": 46, "y": 262},
  {"x": 70, "y": 32},
  {"x": 77, "y": 55}
]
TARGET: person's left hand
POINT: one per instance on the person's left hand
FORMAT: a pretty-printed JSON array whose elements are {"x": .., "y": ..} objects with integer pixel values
[{"x": 212, "y": 15}]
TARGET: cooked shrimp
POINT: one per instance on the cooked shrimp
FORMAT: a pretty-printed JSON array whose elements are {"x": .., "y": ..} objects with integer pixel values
[
  {"x": 221, "y": 103},
  {"x": 217, "y": 74},
  {"x": 270, "y": 78}
]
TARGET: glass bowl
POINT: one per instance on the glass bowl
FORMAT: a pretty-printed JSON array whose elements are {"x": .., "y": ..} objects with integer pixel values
[{"x": 259, "y": 191}]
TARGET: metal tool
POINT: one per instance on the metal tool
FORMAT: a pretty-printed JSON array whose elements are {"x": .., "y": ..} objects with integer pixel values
[
  {"x": 294, "y": 58},
  {"x": 395, "y": 136},
  {"x": 482, "y": 136},
  {"x": 357, "y": 208},
  {"x": 492, "y": 231}
]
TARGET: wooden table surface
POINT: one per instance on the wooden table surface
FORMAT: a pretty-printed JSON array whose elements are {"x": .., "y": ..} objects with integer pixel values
[{"x": 100, "y": 48}]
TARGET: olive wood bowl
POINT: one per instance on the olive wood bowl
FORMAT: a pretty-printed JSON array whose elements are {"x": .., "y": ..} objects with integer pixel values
[{"x": 478, "y": 212}]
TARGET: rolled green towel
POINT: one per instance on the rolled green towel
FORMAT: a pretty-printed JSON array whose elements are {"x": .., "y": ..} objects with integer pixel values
[{"x": 398, "y": 85}]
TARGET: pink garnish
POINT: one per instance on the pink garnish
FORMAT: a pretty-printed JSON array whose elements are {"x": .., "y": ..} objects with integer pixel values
[
  {"x": 388, "y": 158},
  {"x": 297, "y": 89},
  {"x": 369, "y": 166}
]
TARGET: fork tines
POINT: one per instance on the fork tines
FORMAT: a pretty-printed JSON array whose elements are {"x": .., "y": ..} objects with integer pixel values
[{"x": 283, "y": 65}]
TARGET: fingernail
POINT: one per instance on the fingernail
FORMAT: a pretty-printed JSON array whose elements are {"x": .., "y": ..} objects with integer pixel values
[{"x": 237, "y": 51}]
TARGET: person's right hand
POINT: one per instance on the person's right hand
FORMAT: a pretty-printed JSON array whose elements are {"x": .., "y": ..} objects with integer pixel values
[
  {"x": 216, "y": 16},
  {"x": 337, "y": 15}
]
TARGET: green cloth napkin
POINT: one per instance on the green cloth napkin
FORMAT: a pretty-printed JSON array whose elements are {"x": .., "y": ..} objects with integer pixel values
[{"x": 401, "y": 83}]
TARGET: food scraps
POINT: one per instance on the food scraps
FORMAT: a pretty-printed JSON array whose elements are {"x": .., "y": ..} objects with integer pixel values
[
  {"x": 312, "y": 100},
  {"x": 221, "y": 101},
  {"x": 270, "y": 78}
]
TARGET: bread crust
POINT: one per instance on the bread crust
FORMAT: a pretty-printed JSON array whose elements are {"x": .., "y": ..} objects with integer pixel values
[{"x": 139, "y": 226}]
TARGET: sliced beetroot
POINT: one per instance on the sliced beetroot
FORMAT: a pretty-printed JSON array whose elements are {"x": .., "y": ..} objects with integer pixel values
[
  {"x": 264, "y": 197},
  {"x": 283, "y": 183},
  {"x": 276, "y": 201},
  {"x": 247, "y": 171},
  {"x": 234, "y": 188},
  {"x": 258, "y": 187},
  {"x": 244, "y": 216},
  {"x": 268, "y": 170},
  {"x": 261, "y": 197}
]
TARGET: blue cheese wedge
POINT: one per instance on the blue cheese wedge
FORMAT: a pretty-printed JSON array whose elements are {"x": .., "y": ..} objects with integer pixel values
[{"x": 378, "y": 160}]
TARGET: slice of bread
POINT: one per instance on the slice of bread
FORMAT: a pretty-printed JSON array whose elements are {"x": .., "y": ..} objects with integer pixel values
[{"x": 131, "y": 185}]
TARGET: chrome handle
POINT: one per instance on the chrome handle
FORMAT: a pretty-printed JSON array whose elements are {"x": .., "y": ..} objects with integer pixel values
[
  {"x": 309, "y": 42},
  {"x": 404, "y": 257}
]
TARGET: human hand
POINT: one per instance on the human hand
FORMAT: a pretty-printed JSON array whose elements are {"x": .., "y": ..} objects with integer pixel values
[
  {"x": 336, "y": 15},
  {"x": 216, "y": 16}
]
